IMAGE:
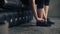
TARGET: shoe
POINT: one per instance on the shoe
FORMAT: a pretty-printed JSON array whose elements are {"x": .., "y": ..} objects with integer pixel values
[
  {"x": 50, "y": 22},
  {"x": 39, "y": 23},
  {"x": 47, "y": 24}
]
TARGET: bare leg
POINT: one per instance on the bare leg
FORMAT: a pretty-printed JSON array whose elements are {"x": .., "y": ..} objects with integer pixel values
[
  {"x": 40, "y": 13},
  {"x": 43, "y": 13},
  {"x": 46, "y": 12},
  {"x": 46, "y": 8},
  {"x": 35, "y": 10}
]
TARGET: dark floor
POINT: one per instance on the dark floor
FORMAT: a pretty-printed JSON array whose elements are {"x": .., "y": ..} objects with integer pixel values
[{"x": 31, "y": 28}]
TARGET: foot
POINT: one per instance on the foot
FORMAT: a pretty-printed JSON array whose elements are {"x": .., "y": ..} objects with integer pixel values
[
  {"x": 39, "y": 23},
  {"x": 50, "y": 22},
  {"x": 47, "y": 24}
]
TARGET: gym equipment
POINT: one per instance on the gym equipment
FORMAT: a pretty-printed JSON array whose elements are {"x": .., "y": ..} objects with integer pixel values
[
  {"x": 12, "y": 4},
  {"x": 21, "y": 13}
]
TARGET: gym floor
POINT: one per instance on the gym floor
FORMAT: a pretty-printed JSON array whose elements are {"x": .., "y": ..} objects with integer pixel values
[{"x": 31, "y": 28}]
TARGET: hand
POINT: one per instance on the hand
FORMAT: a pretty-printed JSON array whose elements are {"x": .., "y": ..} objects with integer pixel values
[{"x": 40, "y": 19}]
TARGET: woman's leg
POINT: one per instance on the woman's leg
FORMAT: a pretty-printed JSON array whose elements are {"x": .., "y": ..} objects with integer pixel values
[
  {"x": 40, "y": 9},
  {"x": 40, "y": 13},
  {"x": 46, "y": 8}
]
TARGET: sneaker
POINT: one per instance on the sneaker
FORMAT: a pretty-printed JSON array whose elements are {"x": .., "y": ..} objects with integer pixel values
[
  {"x": 42, "y": 24},
  {"x": 39, "y": 23},
  {"x": 50, "y": 22}
]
